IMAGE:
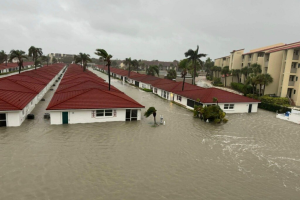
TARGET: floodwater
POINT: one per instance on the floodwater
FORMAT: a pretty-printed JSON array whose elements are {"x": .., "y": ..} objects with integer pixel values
[{"x": 253, "y": 156}]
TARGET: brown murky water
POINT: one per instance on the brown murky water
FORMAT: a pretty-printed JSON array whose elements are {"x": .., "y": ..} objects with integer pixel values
[{"x": 253, "y": 156}]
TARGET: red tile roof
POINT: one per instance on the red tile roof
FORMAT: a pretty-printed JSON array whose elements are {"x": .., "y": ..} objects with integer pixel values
[
  {"x": 207, "y": 95},
  {"x": 19, "y": 90},
  {"x": 85, "y": 90}
]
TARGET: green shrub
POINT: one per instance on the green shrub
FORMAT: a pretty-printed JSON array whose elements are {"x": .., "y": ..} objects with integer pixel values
[
  {"x": 245, "y": 89},
  {"x": 273, "y": 107},
  {"x": 225, "y": 120},
  {"x": 217, "y": 121},
  {"x": 147, "y": 90},
  {"x": 275, "y": 100},
  {"x": 253, "y": 96}
]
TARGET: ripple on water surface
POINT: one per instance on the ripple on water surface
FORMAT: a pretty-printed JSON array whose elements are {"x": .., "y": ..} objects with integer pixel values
[{"x": 253, "y": 156}]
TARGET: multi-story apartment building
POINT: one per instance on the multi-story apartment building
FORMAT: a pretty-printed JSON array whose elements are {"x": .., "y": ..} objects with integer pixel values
[
  {"x": 281, "y": 61},
  {"x": 59, "y": 55}
]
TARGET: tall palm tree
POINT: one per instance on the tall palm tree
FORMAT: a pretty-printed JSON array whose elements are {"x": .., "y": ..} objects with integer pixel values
[
  {"x": 105, "y": 57},
  {"x": 225, "y": 71},
  {"x": 256, "y": 68},
  {"x": 128, "y": 62},
  {"x": 35, "y": 52},
  {"x": 152, "y": 70},
  {"x": 252, "y": 80},
  {"x": 260, "y": 81},
  {"x": 3, "y": 57},
  {"x": 184, "y": 65},
  {"x": 84, "y": 59},
  {"x": 135, "y": 64},
  {"x": 194, "y": 57},
  {"x": 19, "y": 55},
  {"x": 266, "y": 81},
  {"x": 219, "y": 69}
]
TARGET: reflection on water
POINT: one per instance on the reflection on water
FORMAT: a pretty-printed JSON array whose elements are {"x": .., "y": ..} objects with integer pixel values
[{"x": 253, "y": 156}]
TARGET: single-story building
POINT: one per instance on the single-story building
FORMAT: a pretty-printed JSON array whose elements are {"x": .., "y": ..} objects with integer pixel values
[{"x": 81, "y": 100}]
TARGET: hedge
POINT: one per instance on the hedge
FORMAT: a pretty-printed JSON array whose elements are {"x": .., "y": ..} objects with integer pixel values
[
  {"x": 273, "y": 108},
  {"x": 245, "y": 89},
  {"x": 147, "y": 90}
]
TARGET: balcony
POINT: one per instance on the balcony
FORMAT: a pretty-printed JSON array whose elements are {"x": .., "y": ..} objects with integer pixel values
[
  {"x": 293, "y": 70},
  {"x": 295, "y": 57},
  {"x": 291, "y": 83}
]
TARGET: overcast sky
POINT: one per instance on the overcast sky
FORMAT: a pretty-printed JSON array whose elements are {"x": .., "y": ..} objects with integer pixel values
[{"x": 147, "y": 29}]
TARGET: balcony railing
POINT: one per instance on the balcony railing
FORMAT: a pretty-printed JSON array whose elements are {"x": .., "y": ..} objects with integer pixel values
[
  {"x": 291, "y": 83},
  {"x": 295, "y": 57},
  {"x": 293, "y": 70}
]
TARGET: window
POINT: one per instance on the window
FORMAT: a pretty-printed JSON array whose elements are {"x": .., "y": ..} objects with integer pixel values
[
  {"x": 101, "y": 113},
  {"x": 260, "y": 54},
  {"x": 294, "y": 91},
  {"x": 296, "y": 52},
  {"x": 228, "y": 106},
  {"x": 296, "y": 78}
]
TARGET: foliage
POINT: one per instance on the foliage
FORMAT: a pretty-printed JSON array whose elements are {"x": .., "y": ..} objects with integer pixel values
[
  {"x": 19, "y": 55},
  {"x": 147, "y": 90},
  {"x": 152, "y": 70},
  {"x": 225, "y": 71},
  {"x": 245, "y": 89},
  {"x": 195, "y": 58},
  {"x": 35, "y": 52},
  {"x": 106, "y": 58},
  {"x": 217, "y": 82},
  {"x": 274, "y": 100},
  {"x": 273, "y": 107},
  {"x": 171, "y": 74},
  {"x": 213, "y": 113},
  {"x": 83, "y": 59},
  {"x": 149, "y": 112},
  {"x": 3, "y": 57},
  {"x": 54, "y": 60}
]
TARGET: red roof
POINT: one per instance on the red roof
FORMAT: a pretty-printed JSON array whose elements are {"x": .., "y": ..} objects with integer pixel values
[
  {"x": 207, "y": 95},
  {"x": 19, "y": 90},
  {"x": 85, "y": 90},
  {"x": 13, "y": 65}
]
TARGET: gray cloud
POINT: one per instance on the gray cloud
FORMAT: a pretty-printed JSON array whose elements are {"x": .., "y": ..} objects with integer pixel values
[{"x": 143, "y": 29}]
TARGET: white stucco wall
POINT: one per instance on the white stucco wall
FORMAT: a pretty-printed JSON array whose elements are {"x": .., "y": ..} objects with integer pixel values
[
  {"x": 88, "y": 116},
  {"x": 13, "y": 118}
]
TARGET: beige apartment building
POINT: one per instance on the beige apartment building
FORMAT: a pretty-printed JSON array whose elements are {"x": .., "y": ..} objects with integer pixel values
[{"x": 281, "y": 61}]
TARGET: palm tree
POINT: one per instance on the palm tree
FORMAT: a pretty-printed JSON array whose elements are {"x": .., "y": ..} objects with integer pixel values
[
  {"x": 54, "y": 60},
  {"x": 37, "y": 62},
  {"x": 151, "y": 111},
  {"x": 256, "y": 68},
  {"x": 35, "y": 52},
  {"x": 19, "y": 55},
  {"x": 246, "y": 71},
  {"x": 105, "y": 57},
  {"x": 128, "y": 62},
  {"x": 152, "y": 70},
  {"x": 219, "y": 69},
  {"x": 84, "y": 59},
  {"x": 236, "y": 72},
  {"x": 260, "y": 81},
  {"x": 194, "y": 57},
  {"x": 252, "y": 80},
  {"x": 184, "y": 65},
  {"x": 216, "y": 100},
  {"x": 135, "y": 64},
  {"x": 3, "y": 57},
  {"x": 45, "y": 59},
  {"x": 225, "y": 71},
  {"x": 266, "y": 81}
]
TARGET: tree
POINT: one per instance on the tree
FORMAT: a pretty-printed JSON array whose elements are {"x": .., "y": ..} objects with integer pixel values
[
  {"x": 37, "y": 62},
  {"x": 215, "y": 100},
  {"x": 54, "y": 60},
  {"x": 171, "y": 74},
  {"x": 106, "y": 57},
  {"x": 84, "y": 59},
  {"x": 45, "y": 59},
  {"x": 151, "y": 111},
  {"x": 236, "y": 72},
  {"x": 256, "y": 68},
  {"x": 266, "y": 81},
  {"x": 184, "y": 65},
  {"x": 224, "y": 72},
  {"x": 252, "y": 80},
  {"x": 194, "y": 57},
  {"x": 152, "y": 70},
  {"x": 19, "y": 55},
  {"x": 135, "y": 64},
  {"x": 128, "y": 62},
  {"x": 246, "y": 71},
  {"x": 3, "y": 57},
  {"x": 208, "y": 66},
  {"x": 35, "y": 52}
]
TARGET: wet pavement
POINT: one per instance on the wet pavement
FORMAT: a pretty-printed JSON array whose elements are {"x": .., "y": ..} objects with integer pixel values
[{"x": 253, "y": 156}]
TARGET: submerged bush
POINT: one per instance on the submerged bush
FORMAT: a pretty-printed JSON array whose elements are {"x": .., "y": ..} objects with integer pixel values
[{"x": 212, "y": 113}]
